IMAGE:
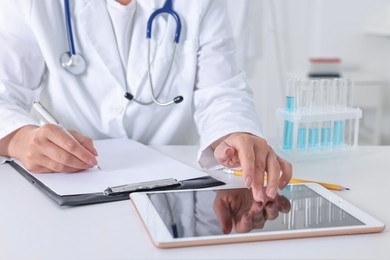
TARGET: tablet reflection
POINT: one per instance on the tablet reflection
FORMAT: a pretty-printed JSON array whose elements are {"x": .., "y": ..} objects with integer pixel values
[
  {"x": 236, "y": 209},
  {"x": 216, "y": 212},
  {"x": 207, "y": 212}
]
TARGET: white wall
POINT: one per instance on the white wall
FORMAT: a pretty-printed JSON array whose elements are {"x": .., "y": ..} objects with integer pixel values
[{"x": 310, "y": 28}]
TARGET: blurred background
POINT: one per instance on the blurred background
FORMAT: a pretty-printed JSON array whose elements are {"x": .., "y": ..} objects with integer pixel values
[{"x": 275, "y": 40}]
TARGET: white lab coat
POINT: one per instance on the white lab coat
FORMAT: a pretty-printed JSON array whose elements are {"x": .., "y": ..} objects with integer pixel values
[{"x": 217, "y": 100}]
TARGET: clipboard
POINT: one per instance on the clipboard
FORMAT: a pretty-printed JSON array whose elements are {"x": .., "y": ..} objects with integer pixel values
[
  {"x": 113, "y": 190},
  {"x": 100, "y": 197}
]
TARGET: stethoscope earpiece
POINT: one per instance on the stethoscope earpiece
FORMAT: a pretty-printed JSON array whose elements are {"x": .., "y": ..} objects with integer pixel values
[
  {"x": 178, "y": 99},
  {"x": 129, "y": 96}
]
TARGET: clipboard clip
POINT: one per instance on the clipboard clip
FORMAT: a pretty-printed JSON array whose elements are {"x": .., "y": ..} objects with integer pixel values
[{"x": 142, "y": 186}]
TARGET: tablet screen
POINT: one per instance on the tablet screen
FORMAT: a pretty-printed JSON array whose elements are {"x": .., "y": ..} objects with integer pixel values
[{"x": 215, "y": 212}]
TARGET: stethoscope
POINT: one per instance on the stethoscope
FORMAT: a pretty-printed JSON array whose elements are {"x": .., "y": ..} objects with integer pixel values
[{"x": 75, "y": 64}]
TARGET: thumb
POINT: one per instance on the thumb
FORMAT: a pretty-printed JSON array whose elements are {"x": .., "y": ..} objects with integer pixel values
[{"x": 226, "y": 155}]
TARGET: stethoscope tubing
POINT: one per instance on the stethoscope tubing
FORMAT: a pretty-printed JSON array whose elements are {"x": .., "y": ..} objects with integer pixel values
[
  {"x": 68, "y": 22},
  {"x": 177, "y": 99},
  {"x": 167, "y": 8},
  {"x": 69, "y": 58}
]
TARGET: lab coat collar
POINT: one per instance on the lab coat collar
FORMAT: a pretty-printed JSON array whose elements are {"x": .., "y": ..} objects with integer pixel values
[
  {"x": 96, "y": 23},
  {"x": 93, "y": 16}
]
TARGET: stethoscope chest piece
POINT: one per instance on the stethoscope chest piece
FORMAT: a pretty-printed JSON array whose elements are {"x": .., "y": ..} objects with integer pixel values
[{"x": 74, "y": 64}]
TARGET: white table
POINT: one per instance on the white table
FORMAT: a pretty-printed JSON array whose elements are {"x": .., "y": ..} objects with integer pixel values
[{"x": 34, "y": 227}]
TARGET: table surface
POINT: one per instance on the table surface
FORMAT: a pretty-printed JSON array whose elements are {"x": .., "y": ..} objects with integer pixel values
[{"x": 32, "y": 226}]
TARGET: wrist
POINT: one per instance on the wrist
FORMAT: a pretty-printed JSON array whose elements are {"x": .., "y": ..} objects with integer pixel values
[
  {"x": 11, "y": 144},
  {"x": 218, "y": 141}
]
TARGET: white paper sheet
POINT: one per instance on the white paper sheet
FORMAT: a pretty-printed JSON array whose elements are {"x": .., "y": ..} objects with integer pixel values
[{"x": 122, "y": 161}]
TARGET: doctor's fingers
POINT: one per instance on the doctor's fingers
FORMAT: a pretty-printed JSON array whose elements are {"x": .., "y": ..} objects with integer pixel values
[
  {"x": 65, "y": 149},
  {"x": 264, "y": 162},
  {"x": 226, "y": 155},
  {"x": 60, "y": 160},
  {"x": 35, "y": 159},
  {"x": 44, "y": 164},
  {"x": 272, "y": 168},
  {"x": 84, "y": 141},
  {"x": 287, "y": 171},
  {"x": 246, "y": 149}
]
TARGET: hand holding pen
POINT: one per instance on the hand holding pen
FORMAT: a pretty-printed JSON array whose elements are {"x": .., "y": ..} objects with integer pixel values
[{"x": 51, "y": 148}]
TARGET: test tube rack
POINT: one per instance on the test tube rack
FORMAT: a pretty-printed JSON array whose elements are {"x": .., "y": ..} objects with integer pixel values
[{"x": 323, "y": 132}]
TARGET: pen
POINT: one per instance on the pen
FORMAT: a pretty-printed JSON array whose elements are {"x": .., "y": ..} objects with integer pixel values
[
  {"x": 51, "y": 119},
  {"x": 329, "y": 186}
]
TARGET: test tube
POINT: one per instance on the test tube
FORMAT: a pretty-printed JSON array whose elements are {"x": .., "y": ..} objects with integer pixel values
[
  {"x": 349, "y": 124},
  {"x": 326, "y": 85},
  {"x": 290, "y": 108},
  {"x": 302, "y": 108},
  {"x": 339, "y": 96},
  {"x": 315, "y": 101}
]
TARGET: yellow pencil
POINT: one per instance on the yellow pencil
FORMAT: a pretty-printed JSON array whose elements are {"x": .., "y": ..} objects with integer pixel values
[{"x": 329, "y": 186}]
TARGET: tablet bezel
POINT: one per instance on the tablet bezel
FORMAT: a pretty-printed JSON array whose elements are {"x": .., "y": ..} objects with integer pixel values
[{"x": 162, "y": 238}]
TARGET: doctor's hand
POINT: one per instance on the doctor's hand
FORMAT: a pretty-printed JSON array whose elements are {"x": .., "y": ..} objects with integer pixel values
[
  {"x": 48, "y": 149},
  {"x": 237, "y": 208},
  {"x": 255, "y": 157}
]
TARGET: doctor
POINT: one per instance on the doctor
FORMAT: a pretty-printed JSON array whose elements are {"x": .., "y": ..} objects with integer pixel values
[{"x": 91, "y": 65}]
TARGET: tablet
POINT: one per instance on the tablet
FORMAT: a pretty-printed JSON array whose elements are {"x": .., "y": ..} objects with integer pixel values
[{"x": 216, "y": 216}]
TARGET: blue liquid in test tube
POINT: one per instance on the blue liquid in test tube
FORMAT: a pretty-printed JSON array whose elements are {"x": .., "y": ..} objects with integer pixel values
[
  {"x": 338, "y": 133},
  {"x": 340, "y": 93},
  {"x": 314, "y": 107},
  {"x": 313, "y": 137},
  {"x": 288, "y": 125},
  {"x": 326, "y": 104},
  {"x": 325, "y": 136},
  {"x": 301, "y": 143},
  {"x": 290, "y": 108},
  {"x": 302, "y": 106}
]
